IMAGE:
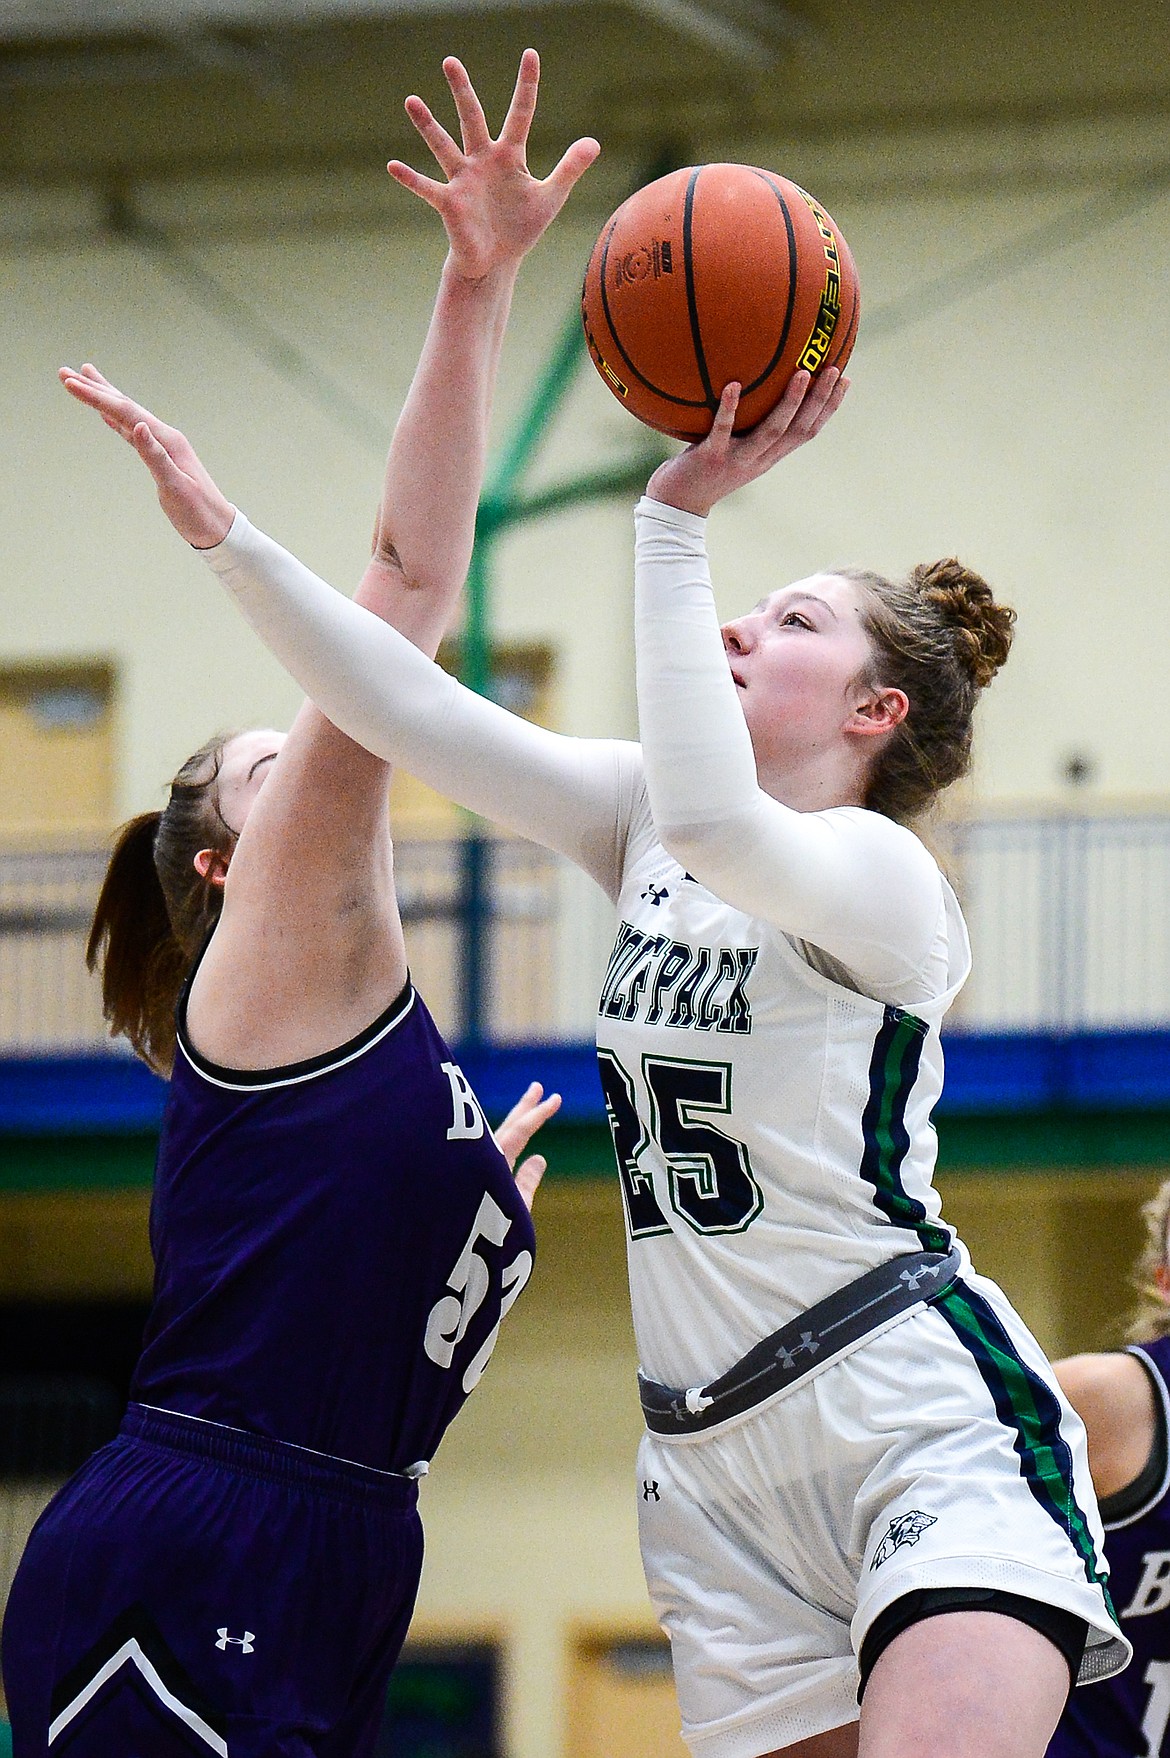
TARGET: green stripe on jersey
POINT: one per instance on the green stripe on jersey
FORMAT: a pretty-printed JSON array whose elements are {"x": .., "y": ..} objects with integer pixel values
[
  {"x": 893, "y": 1070},
  {"x": 1029, "y": 1407}
]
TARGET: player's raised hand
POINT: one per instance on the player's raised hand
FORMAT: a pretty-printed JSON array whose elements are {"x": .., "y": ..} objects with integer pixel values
[
  {"x": 527, "y": 1115},
  {"x": 725, "y": 461},
  {"x": 493, "y": 209},
  {"x": 186, "y": 493}
]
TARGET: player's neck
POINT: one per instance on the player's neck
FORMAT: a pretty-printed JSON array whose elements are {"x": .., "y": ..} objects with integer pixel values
[{"x": 813, "y": 781}]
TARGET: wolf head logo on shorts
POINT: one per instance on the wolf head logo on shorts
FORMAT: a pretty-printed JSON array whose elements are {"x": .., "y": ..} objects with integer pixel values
[{"x": 904, "y": 1529}]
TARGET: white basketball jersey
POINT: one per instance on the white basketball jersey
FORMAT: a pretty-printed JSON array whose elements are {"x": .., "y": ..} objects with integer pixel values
[{"x": 771, "y": 1126}]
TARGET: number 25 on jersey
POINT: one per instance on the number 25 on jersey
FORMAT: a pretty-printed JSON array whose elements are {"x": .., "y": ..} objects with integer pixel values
[{"x": 711, "y": 1184}]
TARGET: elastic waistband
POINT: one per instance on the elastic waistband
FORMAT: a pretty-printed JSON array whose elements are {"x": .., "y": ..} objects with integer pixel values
[
  {"x": 809, "y": 1341},
  {"x": 253, "y": 1455}
]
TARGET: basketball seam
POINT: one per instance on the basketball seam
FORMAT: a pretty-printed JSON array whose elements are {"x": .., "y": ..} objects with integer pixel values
[
  {"x": 692, "y": 304},
  {"x": 667, "y": 396},
  {"x": 846, "y": 341},
  {"x": 792, "y": 276},
  {"x": 710, "y": 400}
]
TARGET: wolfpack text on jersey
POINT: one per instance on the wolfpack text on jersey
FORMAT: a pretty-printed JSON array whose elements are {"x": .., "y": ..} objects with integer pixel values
[{"x": 771, "y": 1124}]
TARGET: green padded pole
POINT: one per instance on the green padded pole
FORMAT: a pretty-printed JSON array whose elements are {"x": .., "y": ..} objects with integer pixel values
[
  {"x": 501, "y": 505},
  {"x": 475, "y": 651},
  {"x": 560, "y": 370}
]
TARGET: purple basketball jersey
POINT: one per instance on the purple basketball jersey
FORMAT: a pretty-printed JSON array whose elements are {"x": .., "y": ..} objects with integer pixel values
[
  {"x": 335, "y": 1245},
  {"x": 1129, "y": 1716}
]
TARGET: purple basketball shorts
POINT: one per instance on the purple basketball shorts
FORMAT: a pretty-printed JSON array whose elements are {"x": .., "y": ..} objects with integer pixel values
[{"x": 195, "y": 1590}]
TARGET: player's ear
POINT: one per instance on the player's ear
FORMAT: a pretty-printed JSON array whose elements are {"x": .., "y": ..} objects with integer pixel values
[
  {"x": 212, "y": 866},
  {"x": 1162, "y": 1281},
  {"x": 878, "y": 711}
]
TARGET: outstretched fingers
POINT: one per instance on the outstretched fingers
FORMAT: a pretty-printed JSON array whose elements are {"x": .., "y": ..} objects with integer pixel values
[
  {"x": 528, "y": 1177},
  {"x": 447, "y": 154},
  {"x": 157, "y": 459},
  {"x": 572, "y": 164},
  {"x": 426, "y": 188},
  {"x": 492, "y": 208},
  {"x": 522, "y": 108},
  {"x": 116, "y": 410},
  {"x": 472, "y": 121},
  {"x": 90, "y": 371},
  {"x": 530, "y": 1112},
  {"x": 187, "y": 494}
]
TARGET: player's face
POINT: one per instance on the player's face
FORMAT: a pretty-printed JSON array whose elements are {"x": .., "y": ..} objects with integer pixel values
[
  {"x": 796, "y": 660},
  {"x": 245, "y": 765}
]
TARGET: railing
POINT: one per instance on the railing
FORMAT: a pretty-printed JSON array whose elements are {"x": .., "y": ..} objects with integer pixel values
[
  {"x": 1069, "y": 919},
  {"x": 47, "y": 997},
  {"x": 533, "y": 930}
]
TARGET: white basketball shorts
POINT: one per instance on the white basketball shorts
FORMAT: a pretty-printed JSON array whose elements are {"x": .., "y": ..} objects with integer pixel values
[{"x": 939, "y": 1453}]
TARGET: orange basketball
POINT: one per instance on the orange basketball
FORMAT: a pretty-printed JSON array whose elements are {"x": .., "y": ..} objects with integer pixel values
[{"x": 712, "y": 274}]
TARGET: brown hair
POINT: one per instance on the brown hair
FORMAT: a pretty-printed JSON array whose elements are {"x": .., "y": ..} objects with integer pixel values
[
  {"x": 1150, "y": 1316},
  {"x": 940, "y": 636},
  {"x": 154, "y": 910}
]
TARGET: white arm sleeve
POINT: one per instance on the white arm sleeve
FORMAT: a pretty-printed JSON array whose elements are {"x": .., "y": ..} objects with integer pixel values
[
  {"x": 847, "y": 881},
  {"x": 572, "y": 795}
]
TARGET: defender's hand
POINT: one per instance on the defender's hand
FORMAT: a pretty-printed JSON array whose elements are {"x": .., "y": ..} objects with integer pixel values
[
  {"x": 723, "y": 461},
  {"x": 517, "y": 1130},
  {"x": 186, "y": 493},
  {"x": 494, "y": 210}
]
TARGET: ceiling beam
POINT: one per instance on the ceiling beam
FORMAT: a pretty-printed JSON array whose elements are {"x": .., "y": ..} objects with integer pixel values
[
  {"x": 712, "y": 25},
  {"x": 46, "y": 19},
  {"x": 746, "y": 30}
]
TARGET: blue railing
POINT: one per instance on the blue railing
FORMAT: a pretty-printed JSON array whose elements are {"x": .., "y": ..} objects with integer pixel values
[{"x": 1068, "y": 1004}]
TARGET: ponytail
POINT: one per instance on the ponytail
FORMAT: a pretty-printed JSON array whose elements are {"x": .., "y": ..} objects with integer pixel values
[
  {"x": 132, "y": 942},
  {"x": 154, "y": 910}
]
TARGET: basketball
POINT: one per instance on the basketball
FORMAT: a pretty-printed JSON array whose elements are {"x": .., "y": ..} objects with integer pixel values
[{"x": 712, "y": 274}]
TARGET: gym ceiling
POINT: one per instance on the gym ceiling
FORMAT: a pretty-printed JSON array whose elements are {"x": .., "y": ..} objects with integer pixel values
[{"x": 110, "y": 93}]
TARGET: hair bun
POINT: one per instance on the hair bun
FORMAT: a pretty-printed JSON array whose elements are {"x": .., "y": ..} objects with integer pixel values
[{"x": 982, "y": 628}]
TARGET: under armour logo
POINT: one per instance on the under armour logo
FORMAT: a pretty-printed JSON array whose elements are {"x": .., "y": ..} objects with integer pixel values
[
  {"x": 913, "y": 1277},
  {"x": 656, "y": 893},
  {"x": 650, "y": 1490},
  {"x": 807, "y": 1346},
  {"x": 245, "y": 1643}
]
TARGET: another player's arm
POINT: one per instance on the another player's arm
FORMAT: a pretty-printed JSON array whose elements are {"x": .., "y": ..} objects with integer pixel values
[
  {"x": 318, "y": 839},
  {"x": 576, "y": 796},
  {"x": 1114, "y": 1398},
  {"x": 346, "y": 938},
  {"x": 493, "y": 211},
  {"x": 276, "y": 984}
]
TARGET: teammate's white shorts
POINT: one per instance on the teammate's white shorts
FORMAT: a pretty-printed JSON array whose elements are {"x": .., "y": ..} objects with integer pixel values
[{"x": 939, "y": 1453}]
